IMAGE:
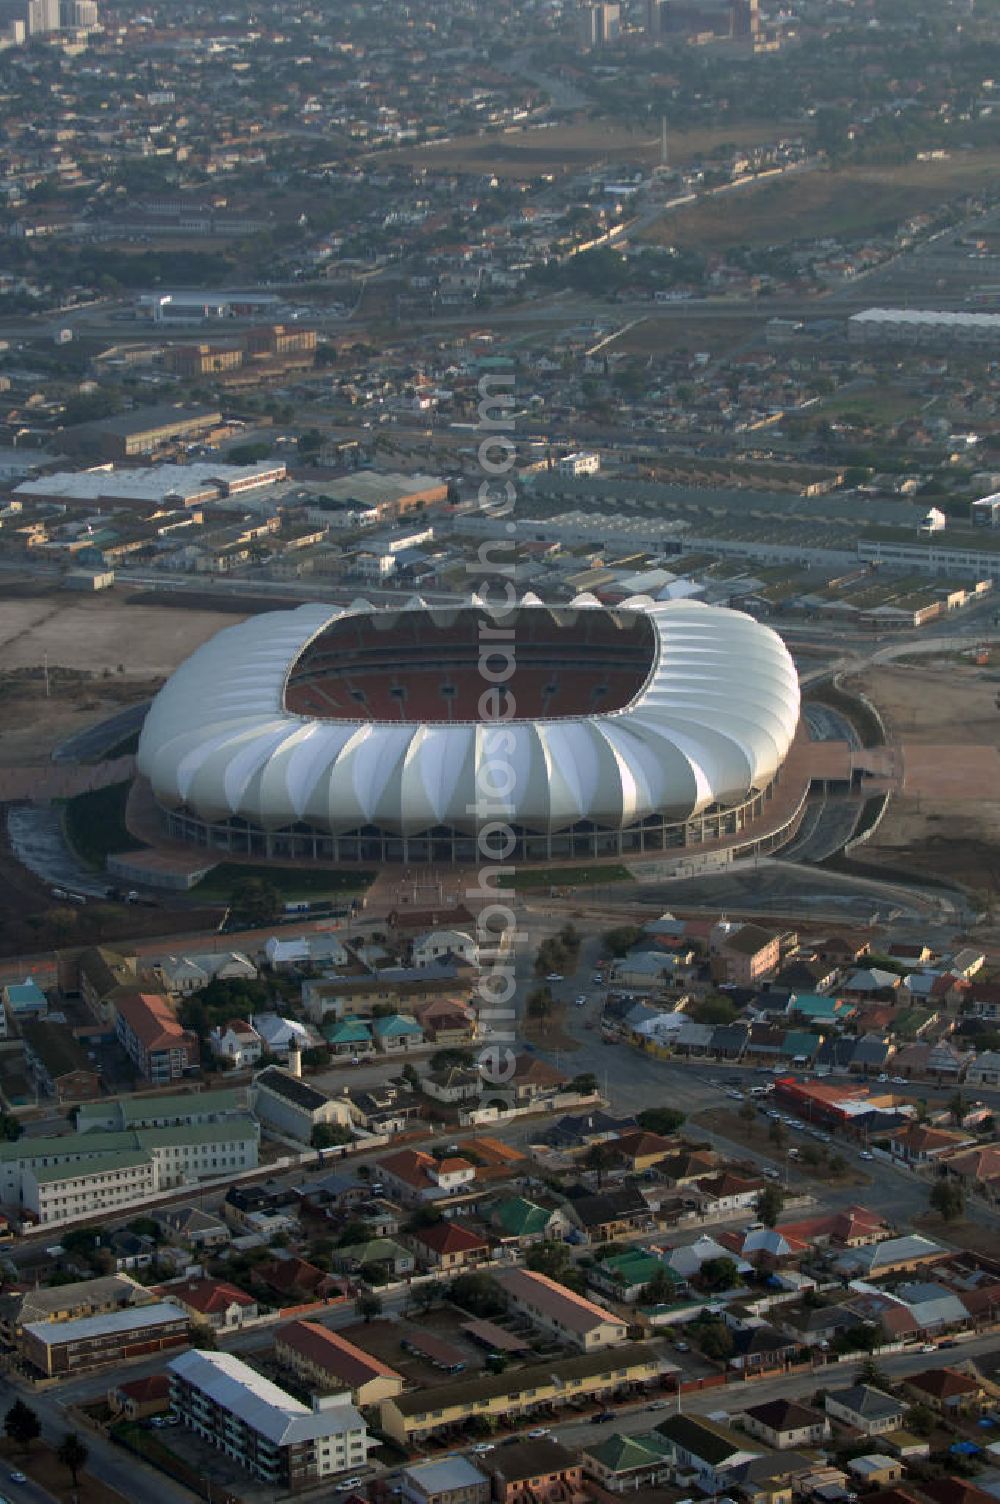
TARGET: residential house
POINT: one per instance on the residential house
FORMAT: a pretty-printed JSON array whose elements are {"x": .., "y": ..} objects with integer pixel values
[
  {"x": 977, "y": 1169},
  {"x": 444, "y": 945},
  {"x": 415, "y": 1176},
  {"x": 623, "y": 1464},
  {"x": 452, "y": 1480},
  {"x": 539, "y": 1469},
  {"x": 212, "y": 1302},
  {"x": 709, "y": 1451},
  {"x": 534, "y": 1080},
  {"x": 875, "y": 1470},
  {"x": 785, "y": 1423},
  {"x": 237, "y": 1042},
  {"x": 949, "y": 1391},
  {"x": 918, "y": 1144},
  {"x": 624, "y": 1276},
  {"x": 137, "y": 1399},
  {"x": 551, "y": 1305},
  {"x": 23, "y": 1000},
  {"x": 609, "y": 1214},
  {"x": 984, "y": 1070},
  {"x": 385, "y": 1252},
  {"x": 446, "y": 1022},
  {"x": 279, "y": 1035},
  {"x": 452, "y": 1085},
  {"x": 329, "y": 1361},
  {"x": 350, "y": 1037},
  {"x": 519, "y": 1223},
  {"x": 396, "y": 1034},
  {"x": 894, "y": 1255},
  {"x": 640, "y": 1150},
  {"x": 865, "y": 1408},
  {"x": 758, "y": 1346},
  {"x": 192, "y": 1227},
  {"x": 448, "y": 1245}
]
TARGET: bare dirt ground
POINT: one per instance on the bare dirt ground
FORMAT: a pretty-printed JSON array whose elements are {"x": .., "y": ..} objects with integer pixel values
[
  {"x": 127, "y": 649},
  {"x": 566, "y": 148},
  {"x": 946, "y": 820}
]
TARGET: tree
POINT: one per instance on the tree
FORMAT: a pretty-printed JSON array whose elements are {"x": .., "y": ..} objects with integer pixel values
[
  {"x": 713, "y": 1010},
  {"x": 478, "y": 1293},
  {"x": 715, "y": 1340},
  {"x": 947, "y": 1199},
  {"x": 22, "y": 1425},
  {"x": 585, "y": 1084},
  {"x": 769, "y": 1205},
  {"x": 956, "y": 1106},
  {"x": 747, "y": 1115},
  {"x": 618, "y": 942},
  {"x": 869, "y": 1372},
  {"x": 256, "y": 901},
  {"x": 327, "y": 1135},
  {"x": 776, "y": 1133},
  {"x": 837, "y": 1165},
  {"x": 554, "y": 1259},
  {"x": 73, "y": 1454},
  {"x": 720, "y": 1274},
  {"x": 369, "y": 1306},
  {"x": 665, "y": 1120},
  {"x": 597, "y": 1158},
  {"x": 659, "y": 1289}
]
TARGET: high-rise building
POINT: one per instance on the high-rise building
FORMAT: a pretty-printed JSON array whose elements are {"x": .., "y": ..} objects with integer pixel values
[
  {"x": 42, "y": 17},
  {"x": 599, "y": 24}
]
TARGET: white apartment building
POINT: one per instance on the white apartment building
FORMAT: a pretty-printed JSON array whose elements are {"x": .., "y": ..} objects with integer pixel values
[{"x": 274, "y": 1437}]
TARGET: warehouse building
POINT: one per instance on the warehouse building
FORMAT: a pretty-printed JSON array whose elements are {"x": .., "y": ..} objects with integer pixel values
[
  {"x": 139, "y": 432},
  {"x": 923, "y": 326}
]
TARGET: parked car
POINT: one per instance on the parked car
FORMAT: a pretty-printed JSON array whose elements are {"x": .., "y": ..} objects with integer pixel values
[
  {"x": 866, "y": 1154},
  {"x": 538, "y": 1432},
  {"x": 602, "y": 1416}
]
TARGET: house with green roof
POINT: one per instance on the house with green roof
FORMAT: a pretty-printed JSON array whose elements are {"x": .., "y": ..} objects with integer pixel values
[
  {"x": 396, "y": 1034},
  {"x": 384, "y": 1251},
  {"x": 348, "y": 1036},
  {"x": 799, "y": 1044},
  {"x": 628, "y": 1462},
  {"x": 817, "y": 1008},
  {"x": 624, "y": 1276},
  {"x": 521, "y": 1222}
]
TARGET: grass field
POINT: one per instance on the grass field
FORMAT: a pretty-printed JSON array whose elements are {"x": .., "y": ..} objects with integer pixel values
[
  {"x": 95, "y": 824},
  {"x": 567, "y": 148},
  {"x": 852, "y": 203},
  {"x": 567, "y": 877},
  {"x": 293, "y": 883},
  {"x": 878, "y": 404}
]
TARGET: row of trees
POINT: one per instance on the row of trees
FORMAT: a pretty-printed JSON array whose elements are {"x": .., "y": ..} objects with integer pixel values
[{"x": 22, "y": 1425}]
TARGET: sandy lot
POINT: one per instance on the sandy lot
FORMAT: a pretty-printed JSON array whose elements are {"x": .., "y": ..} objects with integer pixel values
[
  {"x": 946, "y": 821},
  {"x": 102, "y": 654}
]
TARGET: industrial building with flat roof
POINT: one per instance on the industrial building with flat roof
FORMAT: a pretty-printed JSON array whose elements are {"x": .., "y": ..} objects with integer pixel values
[
  {"x": 139, "y": 432},
  {"x": 63, "y": 1347},
  {"x": 159, "y": 485},
  {"x": 923, "y": 326}
]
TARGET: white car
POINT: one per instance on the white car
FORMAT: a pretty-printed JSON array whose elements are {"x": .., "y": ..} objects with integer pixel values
[
  {"x": 538, "y": 1433},
  {"x": 554, "y": 976},
  {"x": 349, "y": 1483},
  {"x": 900, "y": 1081},
  {"x": 883, "y": 1078},
  {"x": 581, "y": 1000},
  {"x": 865, "y": 1154},
  {"x": 482, "y": 1448}
]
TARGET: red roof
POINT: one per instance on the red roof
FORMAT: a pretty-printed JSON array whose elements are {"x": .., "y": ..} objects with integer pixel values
[
  {"x": 152, "y": 1021},
  {"x": 450, "y": 1237},
  {"x": 155, "y": 1386},
  {"x": 349, "y": 1364},
  {"x": 207, "y": 1296}
]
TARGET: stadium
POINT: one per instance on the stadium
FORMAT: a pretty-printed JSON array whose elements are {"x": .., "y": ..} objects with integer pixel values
[{"x": 363, "y": 735}]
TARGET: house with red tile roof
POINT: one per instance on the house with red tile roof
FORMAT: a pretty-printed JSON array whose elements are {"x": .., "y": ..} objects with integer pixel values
[
  {"x": 947, "y": 1390},
  {"x": 415, "y": 1176},
  {"x": 449, "y": 1245},
  {"x": 213, "y": 1302},
  {"x": 149, "y": 1032},
  {"x": 328, "y": 1360},
  {"x": 295, "y": 1279},
  {"x": 137, "y": 1398}
]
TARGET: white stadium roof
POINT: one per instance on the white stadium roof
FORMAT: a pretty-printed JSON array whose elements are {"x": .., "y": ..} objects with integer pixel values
[{"x": 713, "y": 719}]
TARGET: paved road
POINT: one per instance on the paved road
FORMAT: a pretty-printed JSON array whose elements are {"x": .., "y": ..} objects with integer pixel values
[
  {"x": 97, "y": 741},
  {"x": 736, "y": 1397}
]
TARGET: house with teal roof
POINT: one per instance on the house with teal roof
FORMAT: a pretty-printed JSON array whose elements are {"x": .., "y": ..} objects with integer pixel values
[
  {"x": 348, "y": 1036},
  {"x": 396, "y": 1034},
  {"x": 521, "y": 1222},
  {"x": 816, "y": 1008},
  {"x": 799, "y": 1044},
  {"x": 624, "y": 1276},
  {"x": 621, "y": 1463},
  {"x": 25, "y": 999}
]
